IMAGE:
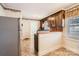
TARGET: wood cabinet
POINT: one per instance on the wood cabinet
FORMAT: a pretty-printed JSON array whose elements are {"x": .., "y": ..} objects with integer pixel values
[
  {"x": 52, "y": 23},
  {"x": 55, "y": 21},
  {"x": 59, "y": 18},
  {"x": 71, "y": 12}
]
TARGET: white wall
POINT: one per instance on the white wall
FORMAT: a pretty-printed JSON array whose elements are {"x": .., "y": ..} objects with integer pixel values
[
  {"x": 1, "y": 11},
  {"x": 49, "y": 42},
  {"x": 25, "y": 29},
  {"x": 9, "y": 13},
  {"x": 29, "y": 28},
  {"x": 4, "y": 12}
]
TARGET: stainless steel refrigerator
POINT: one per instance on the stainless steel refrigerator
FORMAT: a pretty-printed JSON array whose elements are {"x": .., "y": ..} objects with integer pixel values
[
  {"x": 72, "y": 34},
  {"x": 9, "y": 36}
]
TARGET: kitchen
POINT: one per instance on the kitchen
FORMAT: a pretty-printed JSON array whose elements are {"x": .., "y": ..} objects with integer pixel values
[{"x": 39, "y": 32}]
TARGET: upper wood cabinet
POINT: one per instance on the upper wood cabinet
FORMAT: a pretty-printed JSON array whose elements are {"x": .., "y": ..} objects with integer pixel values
[
  {"x": 74, "y": 11},
  {"x": 54, "y": 21}
]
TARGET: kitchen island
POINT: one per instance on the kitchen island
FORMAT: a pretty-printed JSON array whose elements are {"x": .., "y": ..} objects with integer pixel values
[{"x": 48, "y": 41}]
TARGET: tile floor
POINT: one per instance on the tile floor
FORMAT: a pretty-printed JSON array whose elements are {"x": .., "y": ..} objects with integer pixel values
[
  {"x": 25, "y": 50},
  {"x": 61, "y": 52},
  {"x": 25, "y": 47}
]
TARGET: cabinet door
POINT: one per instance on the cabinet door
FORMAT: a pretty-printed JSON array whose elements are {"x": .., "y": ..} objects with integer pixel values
[
  {"x": 52, "y": 23},
  {"x": 59, "y": 22}
]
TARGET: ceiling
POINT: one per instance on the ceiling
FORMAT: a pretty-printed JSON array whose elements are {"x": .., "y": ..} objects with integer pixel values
[{"x": 38, "y": 10}]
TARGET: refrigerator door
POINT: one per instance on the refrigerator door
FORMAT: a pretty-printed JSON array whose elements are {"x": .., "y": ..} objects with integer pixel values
[
  {"x": 9, "y": 36},
  {"x": 73, "y": 28}
]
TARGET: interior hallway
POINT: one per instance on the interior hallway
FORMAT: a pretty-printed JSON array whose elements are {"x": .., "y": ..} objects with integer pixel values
[{"x": 25, "y": 48}]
